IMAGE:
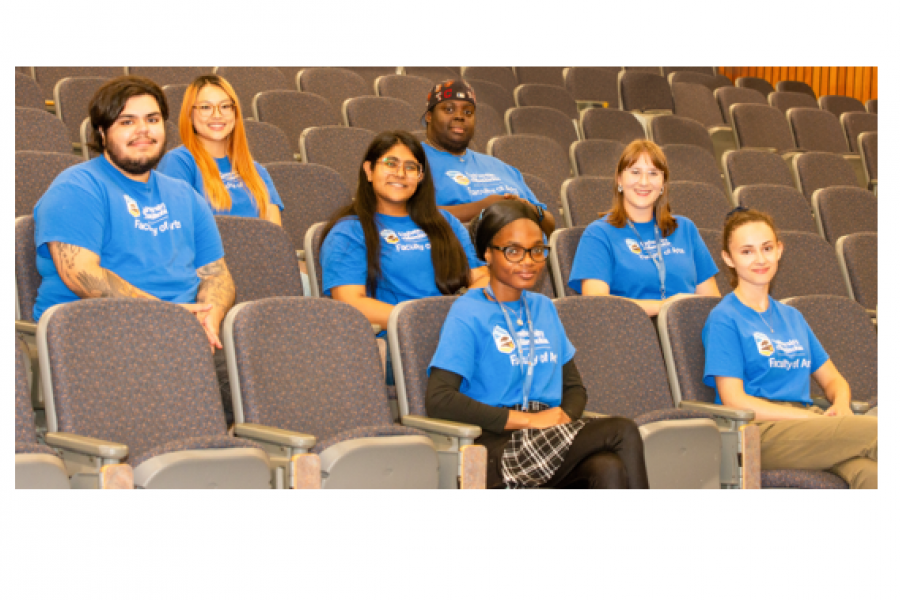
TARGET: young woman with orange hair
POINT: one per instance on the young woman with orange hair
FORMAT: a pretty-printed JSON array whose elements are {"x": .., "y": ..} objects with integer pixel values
[{"x": 215, "y": 158}]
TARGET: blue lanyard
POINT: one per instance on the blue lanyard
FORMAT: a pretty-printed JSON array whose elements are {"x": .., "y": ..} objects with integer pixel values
[
  {"x": 529, "y": 374},
  {"x": 657, "y": 258}
]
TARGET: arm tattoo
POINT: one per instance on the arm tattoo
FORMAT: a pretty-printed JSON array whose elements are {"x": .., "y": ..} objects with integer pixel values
[
  {"x": 90, "y": 281},
  {"x": 216, "y": 285}
]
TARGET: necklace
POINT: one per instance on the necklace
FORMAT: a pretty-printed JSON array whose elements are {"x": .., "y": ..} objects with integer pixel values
[{"x": 766, "y": 322}]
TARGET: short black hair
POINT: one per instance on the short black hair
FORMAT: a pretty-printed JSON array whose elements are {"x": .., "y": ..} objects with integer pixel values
[{"x": 109, "y": 100}]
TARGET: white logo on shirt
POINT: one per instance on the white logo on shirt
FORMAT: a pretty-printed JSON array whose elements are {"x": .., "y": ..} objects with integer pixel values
[
  {"x": 132, "y": 206},
  {"x": 458, "y": 177},
  {"x": 633, "y": 245},
  {"x": 503, "y": 340},
  {"x": 763, "y": 344},
  {"x": 389, "y": 236},
  {"x": 155, "y": 213}
]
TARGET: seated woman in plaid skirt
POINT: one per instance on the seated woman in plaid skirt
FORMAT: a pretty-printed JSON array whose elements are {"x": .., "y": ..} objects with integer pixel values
[{"x": 518, "y": 382}]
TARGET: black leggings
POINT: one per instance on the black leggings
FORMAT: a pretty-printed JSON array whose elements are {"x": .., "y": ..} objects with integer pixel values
[{"x": 607, "y": 453}]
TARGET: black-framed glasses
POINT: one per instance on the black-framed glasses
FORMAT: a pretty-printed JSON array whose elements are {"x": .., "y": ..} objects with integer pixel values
[
  {"x": 226, "y": 109},
  {"x": 517, "y": 254},
  {"x": 407, "y": 168}
]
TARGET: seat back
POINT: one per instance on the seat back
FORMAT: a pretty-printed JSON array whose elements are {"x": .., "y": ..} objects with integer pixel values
[
  {"x": 747, "y": 167},
  {"x": 872, "y": 106},
  {"x": 28, "y": 93},
  {"x": 868, "y": 149},
  {"x": 292, "y": 112},
  {"x": 173, "y": 137},
  {"x": 858, "y": 258},
  {"x": 755, "y": 83},
  {"x": 544, "y": 194},
  {"x": 163, "y": 76},
  {"x": 174, "y": 93},
  {"x": 816, "y": 130},
  {"x": 593, "y": 84},
  {"x": 696, "y": 101},
  {"x": 788, "y": 207},
  {"x": 563, "y": 246},
  {"x": 310, "y": 337},
  {"x": 249, "y": 81},
  {"x": 534, "y": 154},
  {"x": 807, "y": 267},
  {"x": 24, "y": 413},
  {"x": 260, "y": 257},
  {"x": 585, "y": 196},
  {"x": 488, "y": 125},
  {"x": 505, "y": 77},
  {"x": 414, "y": 331},
  {"x": 855, "y": 123},
  {"x": 761, "y": 126},
  {"x": 410, "y": 88},
  {"x": 692, "y": 163},
  {"x": 596, "y": 157},
  {"x": 35, "y": 171},
  {"x": 147, "y": 382},
  {"x": 617, "y": 354},
  {"x": 666, "y": 71},
  {"x": 654, "y": 70},
  {"x": 680, "y": 324},
  {"x": 787, "y": 100},
  {"x": 838, "y": 105},
  {"x": 817, "y": 170},
  {"x": 846, "y": 333},
  {"x": 540, "y": 75},
  {"x": 368, "y": 74},
  {"x": 736, "y": 95},
  {"x": 380, "y": 114},
  {"x": 73, "y": 97},
  {"x": 713, "y": 240},
  {"x": 48, "y": 77},
  {"x": 704, "y": 204},
  {"x": 788, "y": 85},
  {"x": 606, "y": 124},
  {"x": 493, "y": 94},
  {"x": 541, "y": 120},
  {"x": 339, "y": 148},
  {"x": 28, "y": 280},
  {"x": 267, "y": 143},
  {"x": 552, "y": 96},
  {"x": 841, "y": 210},
  {"x": 434, "y": 75},
  {"x": 672, "y": 129},
  {"x": 312, "y": 244},
  {"x": 40, "y": 131},
  {"x": 644, "y": 92},
  {"x": 706, "y": 80}
]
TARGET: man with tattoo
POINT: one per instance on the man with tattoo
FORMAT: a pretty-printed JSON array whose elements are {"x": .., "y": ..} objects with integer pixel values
[{"x": 113, "y": 227}]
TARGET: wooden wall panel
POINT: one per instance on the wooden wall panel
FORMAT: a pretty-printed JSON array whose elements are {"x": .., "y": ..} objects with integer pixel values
[{"x": 857, "y": 82}]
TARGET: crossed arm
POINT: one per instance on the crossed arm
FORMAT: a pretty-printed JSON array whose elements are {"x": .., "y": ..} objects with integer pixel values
[{"x": 80, "y": 270}]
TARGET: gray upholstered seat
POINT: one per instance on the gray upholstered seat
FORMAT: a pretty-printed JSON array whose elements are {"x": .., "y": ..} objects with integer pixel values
[
  {"x": 855, "y": 123},
  {"x": 786, "y": 205},
  {"x": 28, "y": 93},
  {"x": 328, "y": 383},
  {"x": 312, "y": 246},
  {"x": 137, "y": 377},
  {"x": 333, "y": 84},
  {"x": 35, "y": 171},
  {"x": 707, "y": 80},
  {"x": 310, "y": 193},
  {"x": 39, "y": 130},
  {"x": 339, "y": 148},
  {"x": 607, "y": 124},
  {"x": 293, "y": 111},
  {"x": 545, "y": 121},
  {"x": 755, "y": 83},
  {"x": 787, "y": 100},
  {"x": 622, "y": 368},
  {"x": 644, "y": 92},
  {"x": 872, "y": 106},
  {"x": 174, "y": 93},
  {"x": 163, "y": 76},
  {"x": 713, "y": 240},
  {"x": 697, "y": 102},
  {"x": 267, "y": 143},
  {"x": 672, "y": 129},
  {"x": 807, "y": 267},
  {"x": 380, "y": 114},
  {"x": 817, "y": 130},
  {"x": 868, "y": 150},
  {"x": 505, "y": 77},
  {"x": 653, "y": 70},
  {"x": 488, "y": 125},
  {"x": 841, "y": 210},
  {"x": 369, "y": 75},
  {"x": 544, "y": 193},
  {"x": 73, "y": 96},
  {"x": 540, "y": 75},
  {"x": 816, "y": 170},
  {"x": 737, "y": 95},
  {"x": 563, "y": 246},
  {"x": 48, "y": 77},
  {"x": 492, "y": 94},
  {"x": 787, "y": 85},
  {"x": 595, "y": 157},
  {"x": 761, "y": 126},
  {"x": 534, "y": 154},
  {"x": 552, "y": 96},
  {"x": 693, "y": 163},
  {"x": 858, "y": 258},
  {"x": 585, "y": 196},
  {"x": 746, "y": 167},
  {"x": 433, "y": 74},
  {"x": 704, "y": 204},
  {"x": 589, "y": 85},
  {"x": 249, "y": 81},
  {"x": 666, "y": 71},
  {"x": 838, "y": 105},
  {"x": 411, "y": 89},
  {"x": 680, "y": 325}
]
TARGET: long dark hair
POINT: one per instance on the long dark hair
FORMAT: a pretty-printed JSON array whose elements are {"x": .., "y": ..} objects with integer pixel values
[
  {"x": 451, "y": 266},
  {"x": 494, "y": 218}
]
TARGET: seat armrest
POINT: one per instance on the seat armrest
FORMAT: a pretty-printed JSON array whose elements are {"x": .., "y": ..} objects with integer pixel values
[
  {"x": 586, "y": 104},
  {"x": 859, "y": 407},
  {"x": 26, "y": 327},
  {"x": 442, "y": 427},
  {"x": 593, "y": 415},
  {"x": 376, "y": 329},
  {"x": 86, "y": 445},
  {"x": 273, "y": 435},
  {"x": 717, "y": 410}
]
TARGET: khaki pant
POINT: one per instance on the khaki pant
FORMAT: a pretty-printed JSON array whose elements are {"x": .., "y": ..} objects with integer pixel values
[{"x": 845, "y": 446}]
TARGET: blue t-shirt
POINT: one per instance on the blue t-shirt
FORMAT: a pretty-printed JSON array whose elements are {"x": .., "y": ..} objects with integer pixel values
[
  {"x": 407, "y": 272},
  {"x": 773, "y": 365},
  {"x": 472, "y": 177},
  {"x": 180, "y": 164},
  {"x": 154, "y": 235},
  {"x": 613, "y": 255},
  {"x": 475, "y": 344}
]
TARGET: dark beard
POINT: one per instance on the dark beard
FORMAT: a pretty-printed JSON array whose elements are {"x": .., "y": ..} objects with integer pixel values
[{"x": 135, "y": 166}]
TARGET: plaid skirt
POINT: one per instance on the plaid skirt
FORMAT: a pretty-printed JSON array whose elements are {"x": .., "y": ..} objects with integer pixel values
[{"x": 532, "y": 456}]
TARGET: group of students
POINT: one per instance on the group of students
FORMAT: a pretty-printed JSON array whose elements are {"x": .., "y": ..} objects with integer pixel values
[{"x": 503, "y": 361}]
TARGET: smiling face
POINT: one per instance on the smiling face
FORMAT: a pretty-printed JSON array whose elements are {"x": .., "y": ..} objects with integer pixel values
[
  {"x": 213, "y": 126},
  {"x": 136, "y": 140},
  {"x": 391, "y": 186},
  {"x": 508, "y": 279},
  {"x": 753, "y": 252},
  {"x": 451, "y": 125},
  {"x": 642, "y": 185}
]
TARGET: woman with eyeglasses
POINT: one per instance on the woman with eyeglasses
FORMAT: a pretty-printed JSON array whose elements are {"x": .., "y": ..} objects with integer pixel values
[
  {"x": 504, "y": 363},
  {"x": 638, "y": 249},
  {"x": 215, "y": 158},
  {"x": 392, "y": 243}
]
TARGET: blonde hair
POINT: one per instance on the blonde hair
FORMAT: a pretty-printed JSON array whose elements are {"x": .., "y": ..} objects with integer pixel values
[{"x": 237, "y": 149}]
